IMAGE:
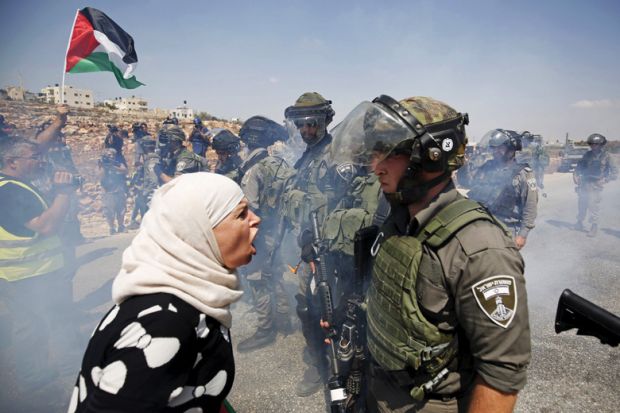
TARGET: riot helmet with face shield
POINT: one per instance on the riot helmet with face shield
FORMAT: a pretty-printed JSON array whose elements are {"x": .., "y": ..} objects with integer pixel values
[
  {"x": 225, "y": 142},
  {"x": 261, "y": 132},
  {"x": 309, "y": 116},
  {"x": 429, "y": 132}
]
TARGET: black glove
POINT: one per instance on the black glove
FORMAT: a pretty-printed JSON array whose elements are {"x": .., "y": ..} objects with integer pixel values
[{"x": 304, "y": 240}]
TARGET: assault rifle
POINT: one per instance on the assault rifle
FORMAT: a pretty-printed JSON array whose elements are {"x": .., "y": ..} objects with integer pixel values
[
  {"x": 337, "y": 390},
  {"x": 588, "y": 318},
  {"x": 352, "y": 342}
]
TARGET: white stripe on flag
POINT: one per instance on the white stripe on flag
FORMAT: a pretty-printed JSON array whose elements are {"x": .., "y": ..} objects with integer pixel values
[{"x": 115, "y": 54}]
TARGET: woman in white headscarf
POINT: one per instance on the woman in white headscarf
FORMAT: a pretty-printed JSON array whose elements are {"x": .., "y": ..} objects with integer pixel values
[{"x": 165, "y": 345}]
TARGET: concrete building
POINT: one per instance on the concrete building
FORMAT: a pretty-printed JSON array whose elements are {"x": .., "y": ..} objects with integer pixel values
[
  {"x": 182, "y": 112},
  {"x": 77, "y": 98},
  {"x": 15, "y": 92},
  {"x": 127, "y": 105}
]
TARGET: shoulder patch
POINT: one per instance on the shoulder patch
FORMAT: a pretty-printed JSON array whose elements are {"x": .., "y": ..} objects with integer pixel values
[
  {"x": 531, "y": 182},
  {"x": 497, "y": 298},
  {"x": 180, "y": 166}
]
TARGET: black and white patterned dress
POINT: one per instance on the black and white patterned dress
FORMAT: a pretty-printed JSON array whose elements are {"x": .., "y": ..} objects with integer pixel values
[{"x": 155, "y": 353}]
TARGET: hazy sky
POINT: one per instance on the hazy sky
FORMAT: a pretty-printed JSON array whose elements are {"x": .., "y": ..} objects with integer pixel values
[{"x": 551, "y": 67}]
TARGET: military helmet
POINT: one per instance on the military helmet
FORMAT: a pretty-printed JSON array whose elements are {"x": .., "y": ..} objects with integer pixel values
[
  {"x": 108, "y": 154},
  {"x": 508, "y": 138},
  {"x": 596, "y": 139},
  {"x": 225, "y": 141},
  {"x": 261, "y": 132},
  {"x": 171, "y": 133},
  {"x": 310, "y": 109},
  {"x": 441, "y": 129}
]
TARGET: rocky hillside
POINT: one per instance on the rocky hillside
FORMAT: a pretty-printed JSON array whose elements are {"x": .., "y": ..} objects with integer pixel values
[{"x": 85, "y": 132}]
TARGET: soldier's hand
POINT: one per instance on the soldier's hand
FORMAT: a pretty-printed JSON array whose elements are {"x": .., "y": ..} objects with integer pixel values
[
  {"x": 325, "y": 326},
  {"x": 63, "y": 182},
  {"x": 520, "y": 241}
]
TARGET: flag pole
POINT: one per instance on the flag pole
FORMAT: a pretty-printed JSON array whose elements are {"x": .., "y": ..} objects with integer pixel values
[{"x": 64, "y": 71}]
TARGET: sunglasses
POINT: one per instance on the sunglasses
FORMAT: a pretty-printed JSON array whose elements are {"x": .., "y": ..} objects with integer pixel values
[{"x": 309, "y": 123}]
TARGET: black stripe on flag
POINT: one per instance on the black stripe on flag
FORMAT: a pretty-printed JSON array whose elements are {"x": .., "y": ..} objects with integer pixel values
[{"x": 102, "y": 23}]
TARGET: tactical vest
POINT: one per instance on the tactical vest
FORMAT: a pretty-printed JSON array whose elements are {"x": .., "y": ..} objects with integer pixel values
[
  {"x": 276, "y": 173},
  {"x": 593, "y": 167},
  {"x": 399, "y": 336},
  {"x": 496, "y": 190},
  {"x": 308, "y": 190},
  {"x": 24, "y": 257},
  {"x": 340, "y": 225}
]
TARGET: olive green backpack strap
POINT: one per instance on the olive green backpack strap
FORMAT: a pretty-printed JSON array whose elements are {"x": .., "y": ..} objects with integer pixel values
[{"x": 452, "y": 218}]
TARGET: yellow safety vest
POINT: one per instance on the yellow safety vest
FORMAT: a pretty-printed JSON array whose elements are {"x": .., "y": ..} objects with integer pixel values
[{"x": 24, "y": 257}]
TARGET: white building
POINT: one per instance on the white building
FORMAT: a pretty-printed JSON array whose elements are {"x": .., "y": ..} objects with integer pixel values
[
  {"x": 15, "y": 92},
  {"x": 132, "y": 104},
  {"x": 182, "y": 112},
  {"x": 78, "y": 98}
]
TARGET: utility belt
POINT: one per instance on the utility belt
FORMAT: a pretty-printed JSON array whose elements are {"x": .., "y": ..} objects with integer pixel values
[{"x": 407, "y": 380}]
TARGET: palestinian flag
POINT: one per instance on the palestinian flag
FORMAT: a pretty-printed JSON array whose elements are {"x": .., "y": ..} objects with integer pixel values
[{"x": 99, "y": 44}]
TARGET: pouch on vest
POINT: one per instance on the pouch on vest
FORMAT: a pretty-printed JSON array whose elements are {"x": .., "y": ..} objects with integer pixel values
[{"x": 340, "y": 226}]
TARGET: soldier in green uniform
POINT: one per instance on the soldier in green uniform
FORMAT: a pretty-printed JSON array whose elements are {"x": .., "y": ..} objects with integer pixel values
[
  {"x": 595, "y": 169},
  {"x": 146, "y": 179},
  {"x": 113, "y": 176},
  {"x": 534, "y": 154},
  {"x": 310, "y": 189},
  {"x": 447, "y": 306},
  {"x": 263, "y": 180},
  {"x": 226, "y": 146},
  {"x": 507, "y": 188},
  {"x": 176, "y": 158}
]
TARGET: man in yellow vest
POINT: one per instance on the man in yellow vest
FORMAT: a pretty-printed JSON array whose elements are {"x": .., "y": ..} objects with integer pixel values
[{"x": 35, "y": 292}]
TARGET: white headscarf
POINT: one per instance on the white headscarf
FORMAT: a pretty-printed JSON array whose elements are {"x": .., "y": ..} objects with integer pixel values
[{"x": 175, "y": 250}]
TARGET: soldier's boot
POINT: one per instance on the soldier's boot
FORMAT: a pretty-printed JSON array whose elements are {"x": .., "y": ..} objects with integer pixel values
[
  {"x": 593, "y": 231},
  {"x": 121, "y": 228},
  {"x": 134, "y": 225},
  {"x": 310, "y": 383},
  {"x": 579, "y": 226},
  {"x": 284, "y": 325},
  {"x": 260, "y": 339}
]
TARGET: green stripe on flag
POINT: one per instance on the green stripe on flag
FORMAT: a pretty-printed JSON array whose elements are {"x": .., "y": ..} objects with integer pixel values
[{"x": 99, "y": 62}]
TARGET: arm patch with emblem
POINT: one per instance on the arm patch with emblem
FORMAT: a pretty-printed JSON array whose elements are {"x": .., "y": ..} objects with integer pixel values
[{"x": 497, "y": 298}]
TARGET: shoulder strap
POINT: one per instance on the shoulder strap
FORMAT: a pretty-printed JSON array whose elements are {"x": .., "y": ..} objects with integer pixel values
[
  {"x": 251, "y": 162},
  {"x": 451, "y": 219}
]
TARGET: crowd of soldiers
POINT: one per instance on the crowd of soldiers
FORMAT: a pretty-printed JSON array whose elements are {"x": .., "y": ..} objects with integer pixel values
[{"x": 389, "y": 164}]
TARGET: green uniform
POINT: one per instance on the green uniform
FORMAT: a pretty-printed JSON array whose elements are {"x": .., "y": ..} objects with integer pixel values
[
  {"x": 263, "y": 181},
  {"x": 535, "y": 155},
  {"x": 309, "y": 190},
  {"x": 509, "y": 191},
  {"x": 188, "y": 162},
  {"x": 447, "y": 302},
  {"x": 592, "y": 171}
]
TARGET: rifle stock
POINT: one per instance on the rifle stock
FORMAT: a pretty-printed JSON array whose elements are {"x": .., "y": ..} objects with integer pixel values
[{"x": 588, "y": 318}]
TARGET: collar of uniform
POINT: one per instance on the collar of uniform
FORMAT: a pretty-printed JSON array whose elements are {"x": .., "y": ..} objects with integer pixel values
[
  {"x": 310, "y": 150},
  {"x": 448, "y": 195}
]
